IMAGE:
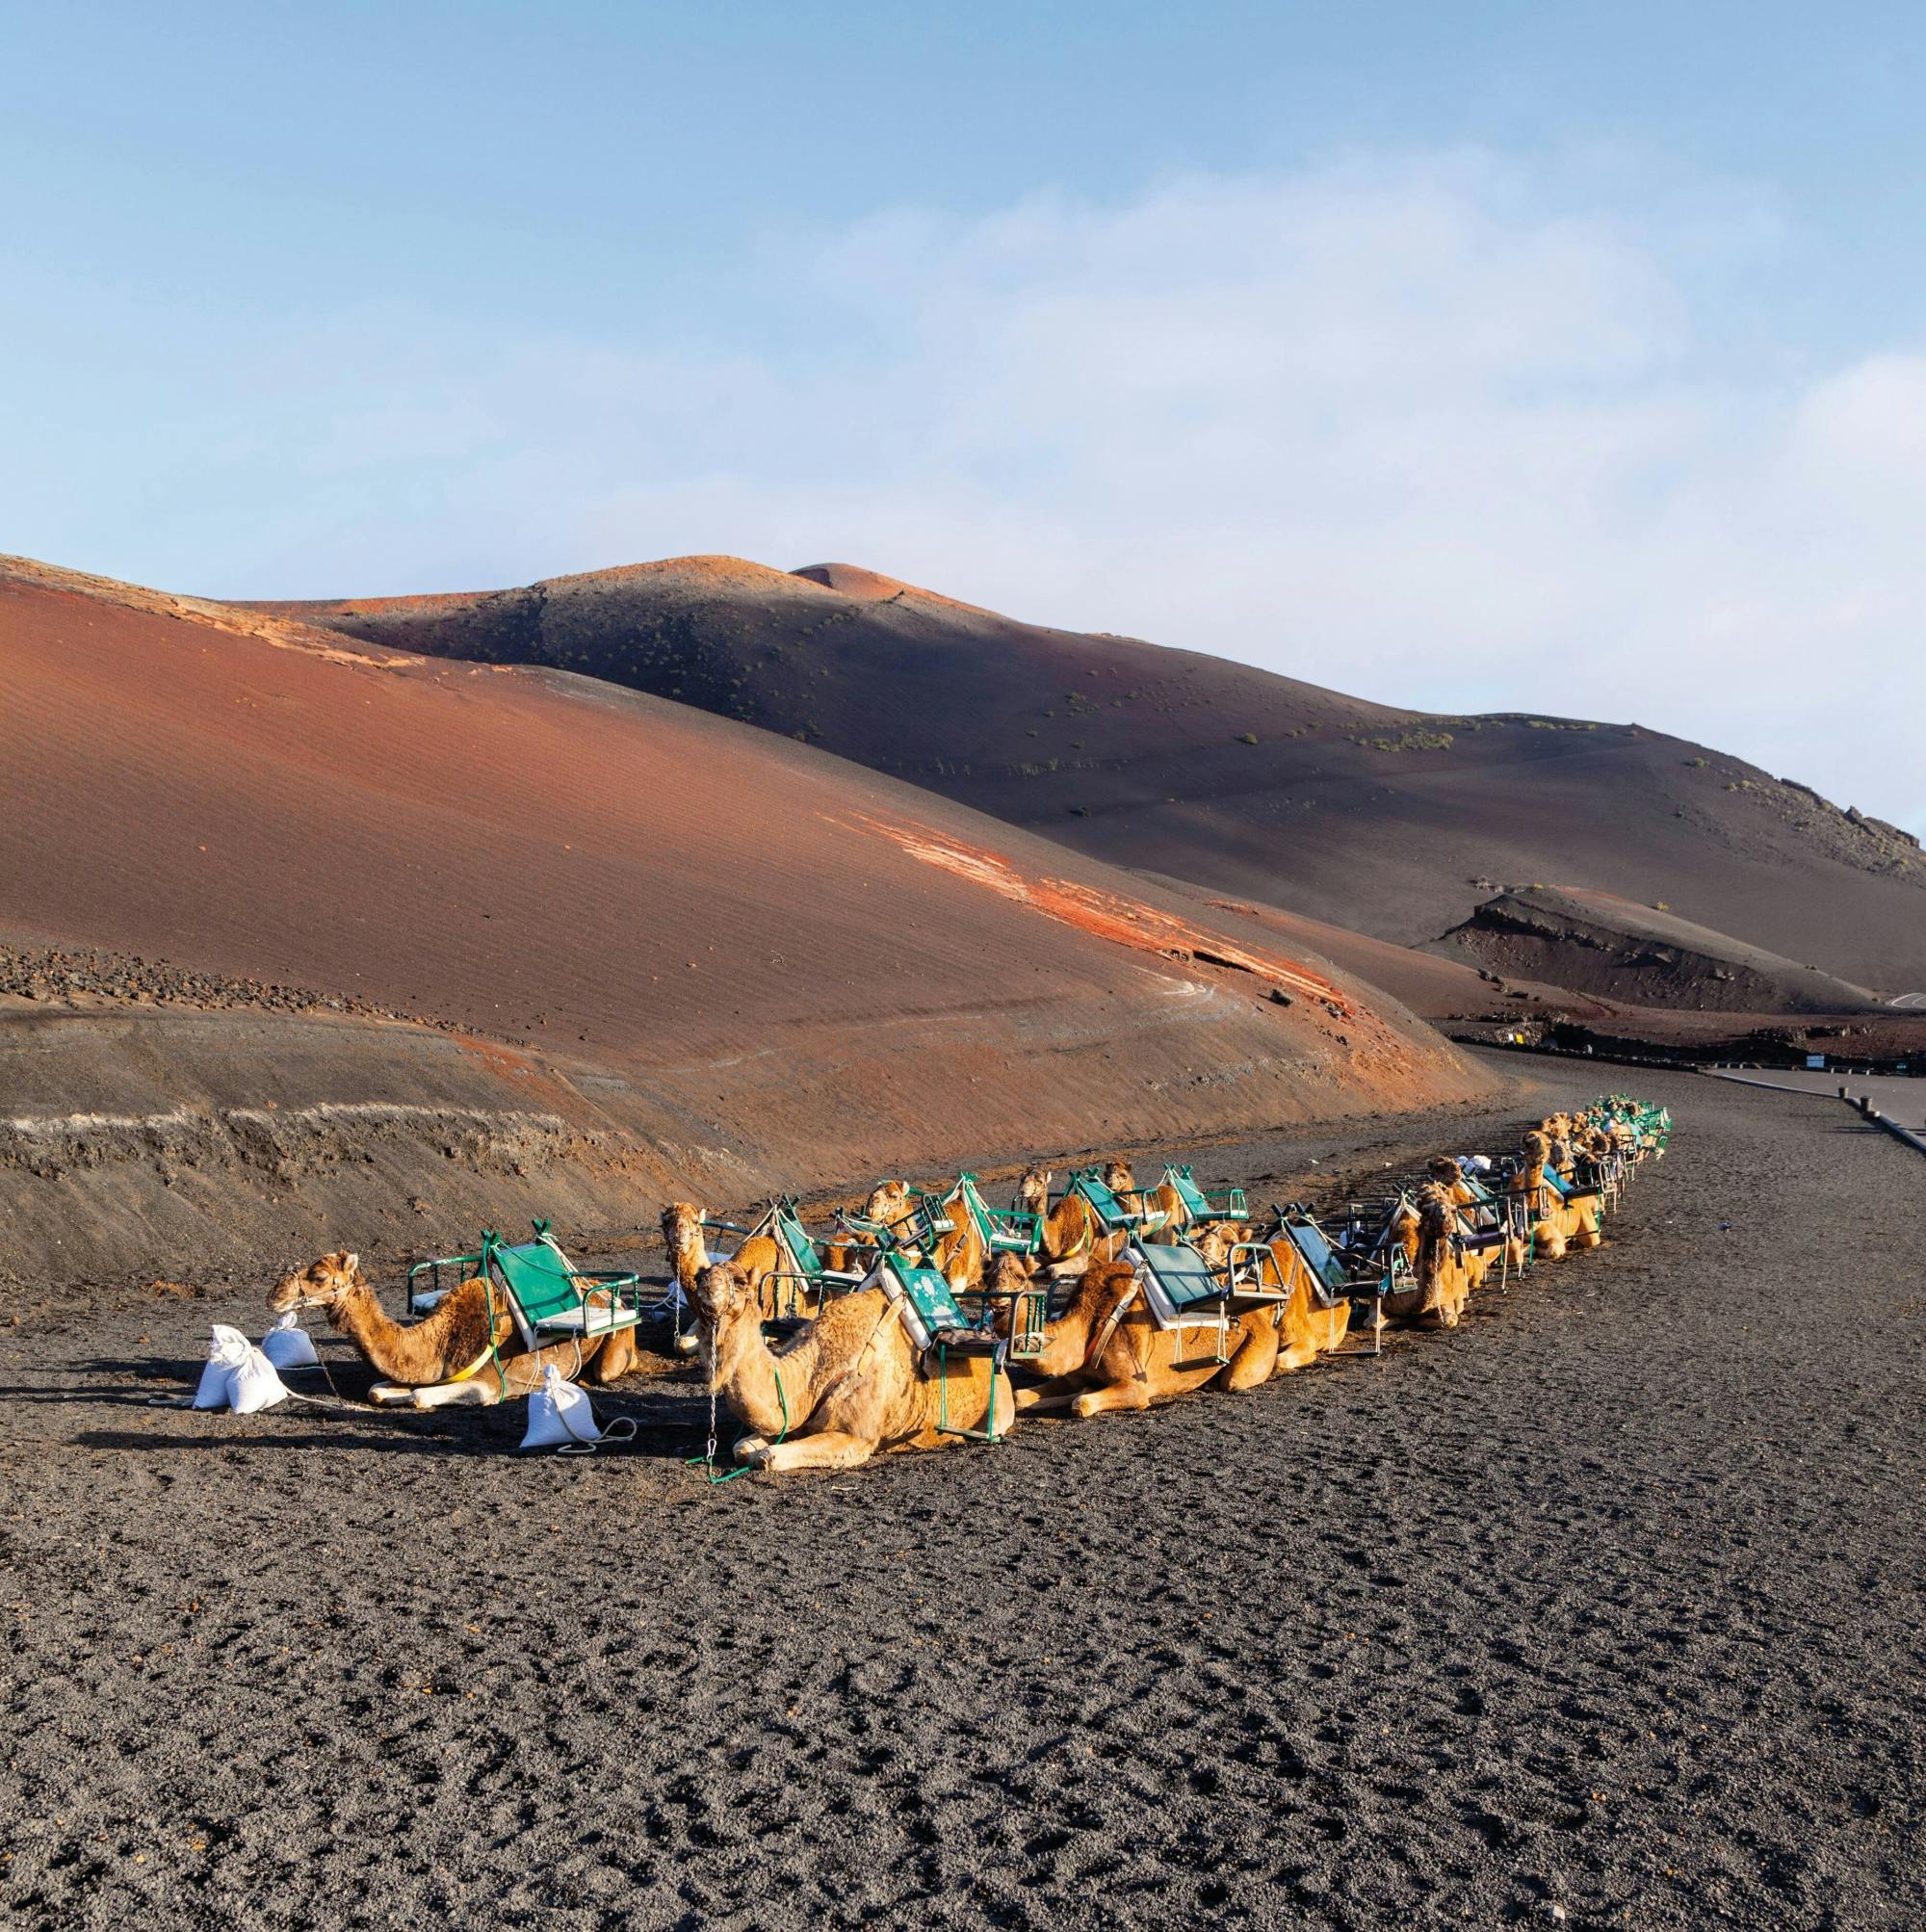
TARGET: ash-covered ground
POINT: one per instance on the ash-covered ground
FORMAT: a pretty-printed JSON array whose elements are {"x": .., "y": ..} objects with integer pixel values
[{"x": 1609, "y": 1604}]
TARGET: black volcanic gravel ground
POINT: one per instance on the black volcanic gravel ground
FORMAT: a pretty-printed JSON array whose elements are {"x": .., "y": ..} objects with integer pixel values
[{"x": 1607, "y": 1607}]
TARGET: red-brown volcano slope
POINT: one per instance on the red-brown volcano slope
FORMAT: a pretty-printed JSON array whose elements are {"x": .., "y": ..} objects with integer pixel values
[
  {"x": 1386, "y": 822},
  {"x": 751, "y": 954}
]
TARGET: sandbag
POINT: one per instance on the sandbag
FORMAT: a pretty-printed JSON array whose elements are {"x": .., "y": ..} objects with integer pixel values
[
  {"x": 226, "y": 1352},
  {"x": 255, "y": 1385},
  {"x": 287, "y": 1345},
  {"x": 560, "y": 1416}
]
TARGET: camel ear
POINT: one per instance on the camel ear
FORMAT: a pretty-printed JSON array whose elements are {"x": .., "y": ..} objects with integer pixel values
[{"x": 351, "y": 1263}]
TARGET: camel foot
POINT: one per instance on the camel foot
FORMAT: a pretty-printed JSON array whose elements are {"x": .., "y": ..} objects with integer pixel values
[
  {"x": 1099, "y": 1401},
  {"x": 385, "y": 1395},
  {"x": 1032, "y": 1402},
  {"x": 688, "y": 1342},
  {"x": 475, "y": 1395}
]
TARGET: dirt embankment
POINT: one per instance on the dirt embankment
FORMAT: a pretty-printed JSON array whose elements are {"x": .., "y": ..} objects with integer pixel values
[{"x": 1596, "y": 943}]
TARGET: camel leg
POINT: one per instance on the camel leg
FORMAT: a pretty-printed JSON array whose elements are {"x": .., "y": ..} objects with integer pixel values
[
  {"x": 615, "y": 1359},
  {"x": 832, "y": 1449},
  {"x": 1330, "y": 1325},
  {"x": 1053, "y": 1391},
  {"x": 1254, "y": 1363},
  {"x": 1039, "y": 1401},
  {"x": 1130, "y": 1394},
  {"x": 385, "y": 1395},
  {"x": 477, "y": 1392}
]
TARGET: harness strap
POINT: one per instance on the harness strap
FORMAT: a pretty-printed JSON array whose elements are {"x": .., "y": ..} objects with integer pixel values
[{"x": 1111, "y": 1320}]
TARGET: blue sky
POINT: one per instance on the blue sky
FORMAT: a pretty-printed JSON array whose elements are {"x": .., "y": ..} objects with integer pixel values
[{"x": 1385, "y": 345}]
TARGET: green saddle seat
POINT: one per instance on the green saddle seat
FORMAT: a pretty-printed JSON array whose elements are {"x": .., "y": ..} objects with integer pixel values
[
  {"x": 1229, "y": 1204},
  {"x": 929, "y": 1308},
  {"x": 549, "y": 1298},
  {"x": 1179, "y": 1284}
]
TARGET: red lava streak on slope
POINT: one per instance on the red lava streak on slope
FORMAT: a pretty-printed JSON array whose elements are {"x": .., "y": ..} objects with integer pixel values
[{"x": 1106, "y": 915}]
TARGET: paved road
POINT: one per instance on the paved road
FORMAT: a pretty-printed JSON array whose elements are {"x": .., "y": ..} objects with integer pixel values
[
  {"x": 1916, "y": 1000},
  {"x": 1903, "y": 1100}
]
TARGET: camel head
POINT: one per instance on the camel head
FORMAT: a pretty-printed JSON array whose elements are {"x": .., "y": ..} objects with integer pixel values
[
  {"x": 722, "y": 1292},
  {"x": 682, "y": 1229},
  {"x": 1537, "y": 1149},
  {"x": 1033, "y": 1191},
  {"x": 1215, "y": 1244},
  {"x": 321, "y": 1284},
  {"x": 1009, "y": 1275},
  {"x": 1445, "y": 1170},
  {"x": 1118, "y": 1178},
  {"x": 888, "y": 1202}
]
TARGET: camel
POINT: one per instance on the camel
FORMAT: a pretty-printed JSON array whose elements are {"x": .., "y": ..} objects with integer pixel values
[
  {"x": 759, "y": 1257},
  {"x": 1556, "y": 1223},
  {"x": 1481, "y": 1257},
  {"x": 854, "y": 1250},
  {"x": 1068, "y": 1233},
  {"x": 1106, "y": 1351},
  {"x": 445, "y": 1357},
  {"x": 844, "y": 1387},
  {"x": 1440, "y": 1284},
  {"x": 1292, "y": 1334}
]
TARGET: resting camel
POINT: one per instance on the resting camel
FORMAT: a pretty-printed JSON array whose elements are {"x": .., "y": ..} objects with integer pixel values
[
  {"x": 1106, "y": 1351},
  {"x": 1481, "y": 1255},
  {"x": 845, "y": 1386},
  {"x": 1556, "y": 1223},
  {"x": 1069, "y": 1233},
  {"x": 445, "y": 1356},
  {"x": 854, "y": 1250},
  {"x": 1440, "y": 1284},
  {"x": 1292, "y": 1333},
  {"x": 958, "y": 1253},
  {"x": 759, "y": 1257}
]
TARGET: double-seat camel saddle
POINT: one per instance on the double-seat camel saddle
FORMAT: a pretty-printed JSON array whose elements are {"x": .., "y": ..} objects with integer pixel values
[
  {"x": 546, "y": 1298},
  {"x": 1345, "y": 1268},
  {"x": 1002, "y": 1230},
  {"x": 1201, "y": 1205},
  {"x": 805, "y": 1275},
  {"x": 1183, "y": 1290},
  {"x": 939, "y": 1328},
  {"x": 1112, "y": 1215}
]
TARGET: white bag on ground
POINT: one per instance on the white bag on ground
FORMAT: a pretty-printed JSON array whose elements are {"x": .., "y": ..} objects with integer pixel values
[
  {"x": 255, "y": 1385},
  {"x": 238, "y": 1377},
  {"x": 559, "y": 1415},
  {"x": 287, "y": 1345},
  {"x": 226, "y": 1353}
]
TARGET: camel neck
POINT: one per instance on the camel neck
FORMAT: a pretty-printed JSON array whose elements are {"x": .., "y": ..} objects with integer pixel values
[{"x": 744, "y": 1372}]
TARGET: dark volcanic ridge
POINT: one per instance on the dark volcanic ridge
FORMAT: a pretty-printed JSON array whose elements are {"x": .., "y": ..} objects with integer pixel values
[
  {"x": 1365, "y": 816},
  {"x": 1595, "y": 943}
]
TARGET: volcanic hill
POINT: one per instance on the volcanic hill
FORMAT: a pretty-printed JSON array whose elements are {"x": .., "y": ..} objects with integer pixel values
[
  {"x": 1388, "y": 822},
  {"x": 280, "y": 909}
]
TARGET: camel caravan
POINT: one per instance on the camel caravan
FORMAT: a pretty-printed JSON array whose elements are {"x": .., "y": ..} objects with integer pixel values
[{"x": 931, "y": 1318}]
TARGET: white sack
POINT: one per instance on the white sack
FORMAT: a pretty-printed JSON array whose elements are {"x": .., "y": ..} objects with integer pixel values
[
  {"x": 226, "y": 1353},
  {"x": 287, "y": 1345},
  {"x": 255, "y": 1385},
  {"x": 559, "y": 1415}
]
